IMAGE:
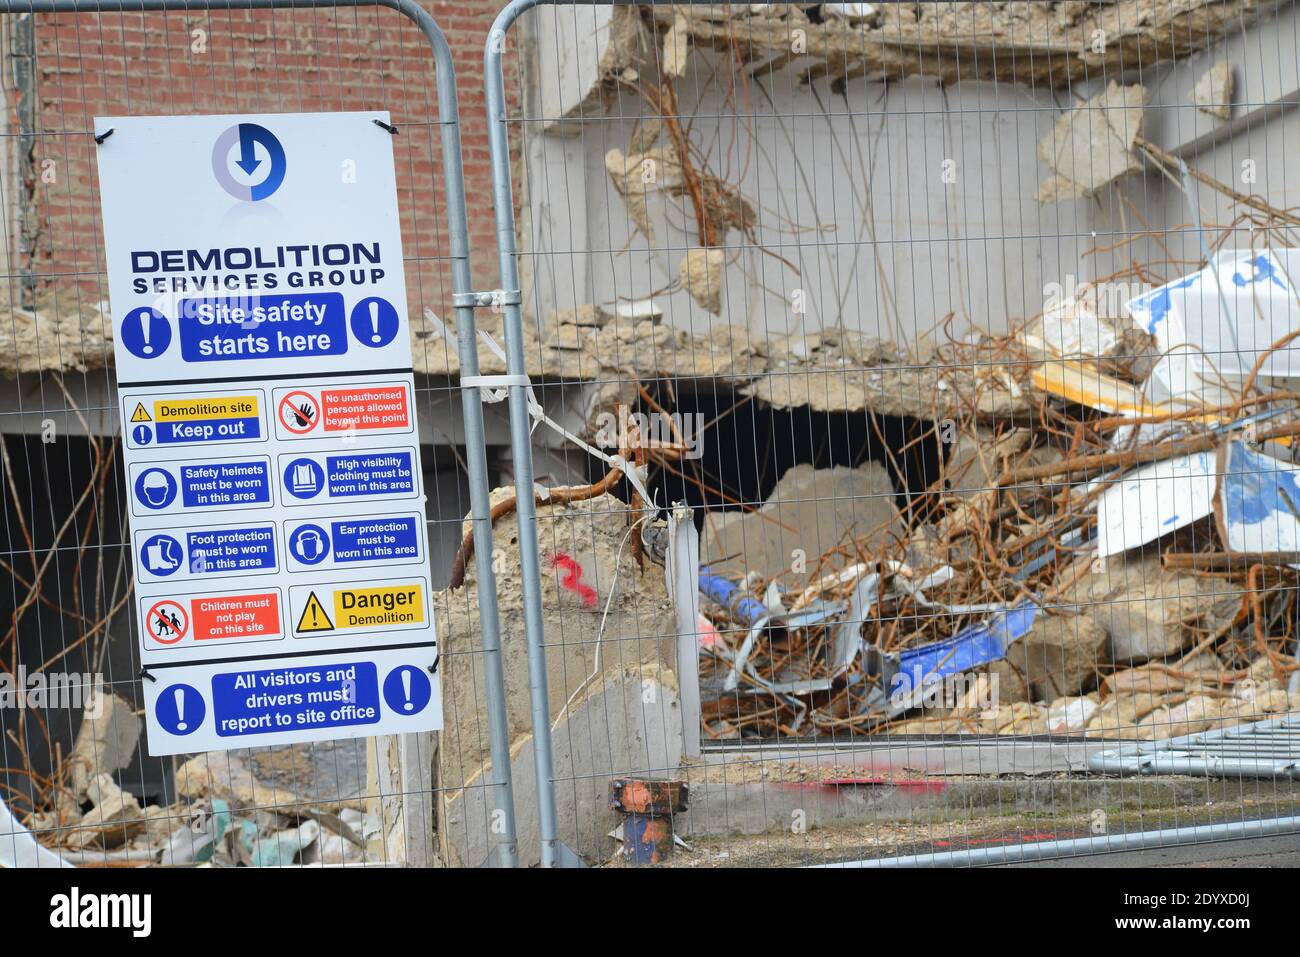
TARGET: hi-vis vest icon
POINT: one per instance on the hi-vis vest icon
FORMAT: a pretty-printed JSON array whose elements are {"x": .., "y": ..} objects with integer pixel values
[{"x": 314, "y": 617}]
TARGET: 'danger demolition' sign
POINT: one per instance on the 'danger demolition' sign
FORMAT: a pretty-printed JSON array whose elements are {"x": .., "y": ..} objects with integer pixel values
[{"x": 272, "y": 457}]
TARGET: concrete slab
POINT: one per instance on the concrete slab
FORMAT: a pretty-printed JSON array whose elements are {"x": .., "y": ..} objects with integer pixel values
[{"x": 630, "y": 723}]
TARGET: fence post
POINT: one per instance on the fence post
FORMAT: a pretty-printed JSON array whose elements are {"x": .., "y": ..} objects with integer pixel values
[{"x": 553, "y": 852}]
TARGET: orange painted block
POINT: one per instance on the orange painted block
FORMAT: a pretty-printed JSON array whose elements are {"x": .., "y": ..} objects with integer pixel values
[
  {"x": 368, "y": 407},
  {"x": 237, "y": 617}
]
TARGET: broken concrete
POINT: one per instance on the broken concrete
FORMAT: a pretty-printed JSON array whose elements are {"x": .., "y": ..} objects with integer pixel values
[
  {"x": 1213, "y": 91},
  {"x": 107, "y": 739},
  {"x": 1061, "y": 655},
  {"x": 701, "y": 273},
  {"x": 223, "y": 775},
  {"x": 1151, "y": 612},
  {"x": 1092, "y": 145},
  {"x": 628, "y": 723},
  {"x": 808, "y": 512},
  {"x": 113, "y": 820},
  {"x": 1052, "y": 44},
  {"x": 582, "y": 637}
]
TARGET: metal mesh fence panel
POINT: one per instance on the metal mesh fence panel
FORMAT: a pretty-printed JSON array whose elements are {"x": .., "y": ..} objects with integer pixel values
[
  {"x": 76, "y": 778},
  {"x": 903, "y": 425}
]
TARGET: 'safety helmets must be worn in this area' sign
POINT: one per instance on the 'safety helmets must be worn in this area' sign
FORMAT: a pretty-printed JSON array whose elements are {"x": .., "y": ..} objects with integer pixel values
[{"x": 271, "y": 449}]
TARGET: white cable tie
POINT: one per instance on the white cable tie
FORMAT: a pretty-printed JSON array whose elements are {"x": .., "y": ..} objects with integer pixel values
[
  {"x": 494, "y": 381},
  {"x": 492, "y": 344},
  {"x": 440, "y": 327},
  {"x": 637, "y": 476}
]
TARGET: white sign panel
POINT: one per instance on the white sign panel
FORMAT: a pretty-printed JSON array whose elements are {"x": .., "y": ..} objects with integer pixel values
[{"x": 267, "y": 401}]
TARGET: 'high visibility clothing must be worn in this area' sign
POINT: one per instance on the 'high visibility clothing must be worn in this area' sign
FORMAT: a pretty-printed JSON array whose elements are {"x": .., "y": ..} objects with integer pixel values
[{"x": 271, "y": 450}]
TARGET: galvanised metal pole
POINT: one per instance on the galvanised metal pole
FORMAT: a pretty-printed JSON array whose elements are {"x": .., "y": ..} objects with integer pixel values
[
  {"x": 520, "y": 433},
  {"x": 1079, "y": 846},
  {"x": 506, "y": 853}
]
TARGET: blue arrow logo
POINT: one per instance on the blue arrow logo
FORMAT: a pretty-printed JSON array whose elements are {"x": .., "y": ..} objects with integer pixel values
[
  {"x": 247, "y": 161},
  {"x": 248, "y": 136}
]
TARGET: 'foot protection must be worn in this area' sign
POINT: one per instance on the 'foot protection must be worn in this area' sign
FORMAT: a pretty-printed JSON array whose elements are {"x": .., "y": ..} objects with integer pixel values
[{"x": 268, "y": 416}]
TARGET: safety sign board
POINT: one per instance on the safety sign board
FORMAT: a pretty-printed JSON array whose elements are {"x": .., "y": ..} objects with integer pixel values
[
  {"x": 217, "y": 551},
  {"x": 202, "y": 485},
  {"x": 385, "y": 540},
  {"x": 371, "y": 409},
  {"x": 330, "y": 476},
  {"x": 263, "y": 357},
  {"x": 179, "y": 418},
  {"x": 330, "y": 609},
  {"x": 226, "y": 617}
]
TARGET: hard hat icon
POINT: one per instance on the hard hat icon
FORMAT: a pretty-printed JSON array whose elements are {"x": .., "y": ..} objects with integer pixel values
[{"x": 155, "y": 488}]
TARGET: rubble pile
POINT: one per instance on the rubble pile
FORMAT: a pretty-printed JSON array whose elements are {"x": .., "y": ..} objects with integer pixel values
[
  {"x": 223, "y": 815},
  {"x": 1111, "y": 548}
]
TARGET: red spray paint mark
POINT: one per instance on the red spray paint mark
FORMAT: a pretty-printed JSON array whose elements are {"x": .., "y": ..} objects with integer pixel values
[{"x": 573, "y": 581}]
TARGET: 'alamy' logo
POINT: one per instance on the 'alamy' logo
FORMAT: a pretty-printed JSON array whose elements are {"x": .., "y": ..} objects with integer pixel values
[
  {"x": 258, "y": 157},
  {"x": 75, "y": 910}
]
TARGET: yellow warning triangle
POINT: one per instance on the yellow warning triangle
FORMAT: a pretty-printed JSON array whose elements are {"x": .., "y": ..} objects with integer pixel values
[
  {"x": 140, "y": 415},
  {"x": 314, "y": 617}
]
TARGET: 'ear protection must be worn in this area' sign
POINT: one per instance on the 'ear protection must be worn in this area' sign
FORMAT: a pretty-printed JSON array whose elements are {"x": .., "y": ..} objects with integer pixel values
[{"x": 267, "y": 407}]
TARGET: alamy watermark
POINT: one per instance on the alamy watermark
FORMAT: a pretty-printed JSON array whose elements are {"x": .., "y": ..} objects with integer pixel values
[
  {"x": 72, "y": 690},
  {"x": 652, "y": 431},
  {"x": 966, "y": 690},
  {"x": 1108, "y": 298}
]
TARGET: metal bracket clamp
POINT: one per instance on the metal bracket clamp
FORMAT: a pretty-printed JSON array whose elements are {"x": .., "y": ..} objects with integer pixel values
[{"x": 491, "y": 297}]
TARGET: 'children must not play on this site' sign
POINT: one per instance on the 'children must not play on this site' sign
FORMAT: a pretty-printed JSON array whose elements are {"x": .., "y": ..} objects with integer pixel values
[{"x": 272, "y": 456}]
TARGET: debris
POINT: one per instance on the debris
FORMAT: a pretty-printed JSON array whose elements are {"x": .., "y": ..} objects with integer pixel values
[
  {"x": 1067, "y": 715},
  {"x": 1213, "y": 91},
  {"x": 115, "y": 817},
  {"x": 1070, "y": 329},
  {"x": 640, "y": 309},
  {"x": 701, "y": 273},
  {"x": 584, "y": 316},
  {"x": 19, "y": 847},
  {"x": 1155, "y": 500},
  {"x": 908, "y": 677},
  {"x": 648, "y": 807},
  {"x": 1232, "y": 319},
  {"x": 852, "y": 12},
  {"x": 1257, "y": 502},
  {"x": 1076, "y": 382},
  {"x": 223, "y": 775},
  {"x": 677, "y": 46},
  {"x": 1052, "y": 44},
  {"x": 1061, "y": 655},
  {"x": 1153, "y": 612},
  {"x": 1092, "y": 145},
  {"x": 282, "y": 848},
  {"x": 809, "y": 511},
  {"x": 107, "y": 739}
]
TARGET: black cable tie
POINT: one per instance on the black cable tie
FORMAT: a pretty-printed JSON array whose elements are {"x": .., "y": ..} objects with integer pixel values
[
  {"x": 144, "y": 672},
  {"x": 379, "y": 123},
  {"x": 100, "y": 137},
  {"x": 433, "y": 668}
]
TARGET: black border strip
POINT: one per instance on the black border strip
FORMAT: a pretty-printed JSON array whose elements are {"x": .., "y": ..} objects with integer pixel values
[
  {"x": 275, "y": 377},
  {"x": 293, "y": 654}
]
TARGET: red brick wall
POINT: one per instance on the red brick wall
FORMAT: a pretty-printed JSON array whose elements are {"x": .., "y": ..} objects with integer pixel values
[{"x": 258, "y": 61}]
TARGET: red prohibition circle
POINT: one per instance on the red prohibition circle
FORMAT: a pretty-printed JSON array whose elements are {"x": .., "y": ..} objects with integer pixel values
[
  {"x": 156, "y": 620},
  {"x": 292, "y": 414}
]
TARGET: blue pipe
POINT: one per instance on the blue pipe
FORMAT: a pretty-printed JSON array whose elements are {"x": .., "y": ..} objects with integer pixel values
[{"x": 747, "y": 610}]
